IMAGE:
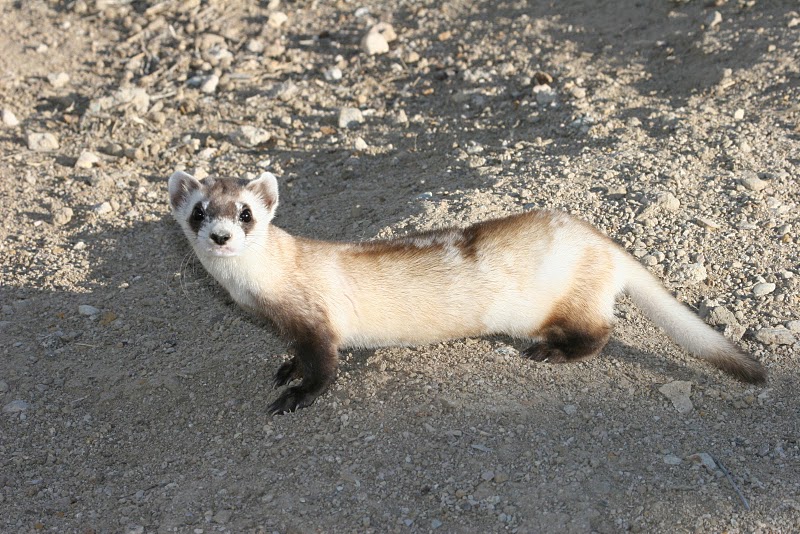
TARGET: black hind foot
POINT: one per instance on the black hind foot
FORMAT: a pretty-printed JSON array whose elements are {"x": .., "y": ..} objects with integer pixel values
[
  {"x": 542, "y": 352},
  {"x": 294, "y": 398},
  {"x": 286, "y": 373},
  {"x": 561, "y": 345}
]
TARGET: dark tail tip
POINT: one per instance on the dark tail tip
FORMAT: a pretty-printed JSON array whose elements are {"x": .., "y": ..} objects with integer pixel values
[{"x": 740, "y": 366}]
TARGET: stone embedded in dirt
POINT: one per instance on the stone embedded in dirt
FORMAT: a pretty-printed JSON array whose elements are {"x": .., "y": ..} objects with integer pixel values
[
  {"x": 668, "y": 201},
  {"x": 751, "y": 181},
  {"x": 42, "y": 142},
  {"x": 719, "y": 315},
  {"x": 350, "y": 117},
  {"x": 87, "y": 160},
  {"x": 103, "y": 208},
  {"x": 544, "y": 94},
  {"x": 333, "y": 74},
  {"x": 16, "y": 406},
  {"x": 763, "y": 288},
  {"x": 58, "y": 79},
  {"x": 360, "y": 144},
  {"x": 778, "y": 335},
  {"x": 277, "y": 19},
  {"x": 385, "y": 29},
  {"x": 793, "y": 326},
  {"x": 671, "y": 459},
  {"x": 255, "y": 46},
  {"x": 62, "y": 215},
  {"x": 704, "y": 459},
  {"x": 9, "y": 119},
  {"x": 86, "y": 309},
  {"x": 3, "y": 386},
  {"x": 679, "y": 392},
  {"x": 374, "y": 43},
  {"x": 738, "y": 114},
  {"x": 209, "y": 84},
  {"x": 250, "y": 136},
  {"x": 713, "y": 19}
]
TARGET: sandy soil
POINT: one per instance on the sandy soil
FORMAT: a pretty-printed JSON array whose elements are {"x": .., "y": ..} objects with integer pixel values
[{"x": 133, "y": 391}]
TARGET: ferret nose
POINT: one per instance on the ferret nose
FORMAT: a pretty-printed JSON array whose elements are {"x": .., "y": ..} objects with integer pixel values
[{"x": 220, "y": 239}]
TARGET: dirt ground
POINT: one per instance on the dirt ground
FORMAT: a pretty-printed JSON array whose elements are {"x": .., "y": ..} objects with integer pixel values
[{"x": 134, "y": 392}]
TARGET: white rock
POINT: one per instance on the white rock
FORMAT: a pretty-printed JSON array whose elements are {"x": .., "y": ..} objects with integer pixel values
[
  {"x": 87, "y": 160},
  {"x": 85, "y": 309},
  {"x": 714, "y": 19},
  {"x": 764, "y": 288},
  {"x": 385, "y": 29},
  {"x": 250, "y": 136},
  {"x": 42, "y": 142},
  {"x": 277, "y": 19},
  {"x": 679, "y": 392},
  {"x": 793, "y": 326},
  {"x": 62, "y": 216},
  {"x": 776, "y": 336},
  {"x": 752, "y": 182},
  {"x": 209, "y": 84},
  {"x": 9, "y": 119},
  {"x": 704, "y": 459},
  {"x": 544, "y": 94},
  {"x": 738, "y": 114},
  {"x": 360, "y": 144},
  {"x": 103, "y": 208},
  {"x": 668, "y": 201},
  {"x": 255, "y": 46},
  {"x": 374, "y": 43},
  {"x": 16, "y": 406},
  {"x": 350, "y": 117},
  {"x": 135, "y": 96},
  {"x": 58, "y": 80},
  {"x": 333, "y": 74}
]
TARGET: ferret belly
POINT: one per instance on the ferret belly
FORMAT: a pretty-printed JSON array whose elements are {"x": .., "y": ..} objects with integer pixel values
[{"x": 464, "y": 302}]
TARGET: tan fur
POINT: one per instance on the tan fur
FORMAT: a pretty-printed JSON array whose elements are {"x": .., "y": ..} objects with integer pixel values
[{"x": 539, "y": 275}]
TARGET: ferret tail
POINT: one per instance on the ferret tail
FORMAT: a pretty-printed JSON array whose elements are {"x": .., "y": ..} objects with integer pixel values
[{"x": 686, "y": 328}]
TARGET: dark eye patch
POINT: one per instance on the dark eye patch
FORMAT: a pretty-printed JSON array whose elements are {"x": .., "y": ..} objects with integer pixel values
[{"x": 197, "y": 217}]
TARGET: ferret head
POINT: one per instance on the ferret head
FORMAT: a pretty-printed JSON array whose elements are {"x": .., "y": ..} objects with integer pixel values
[{"x": 222, "y": 217}]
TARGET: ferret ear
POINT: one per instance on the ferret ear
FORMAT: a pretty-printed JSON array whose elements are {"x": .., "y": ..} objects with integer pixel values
[
  {"x": 266, "y": 187},
  {"x": 180, "y": 186}
]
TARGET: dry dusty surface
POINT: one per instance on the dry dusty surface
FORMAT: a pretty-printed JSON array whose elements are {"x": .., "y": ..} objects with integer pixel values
[{"x": 134, "y": 392}]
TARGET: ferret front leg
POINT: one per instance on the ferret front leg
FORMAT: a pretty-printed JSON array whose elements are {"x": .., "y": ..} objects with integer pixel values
[
  {"x": 317, "y": 363},
  {"x": 287, "y": 372}
]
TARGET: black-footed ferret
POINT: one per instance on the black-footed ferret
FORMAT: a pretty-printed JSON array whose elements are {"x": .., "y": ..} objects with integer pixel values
[{"x": 541, "y": 275}]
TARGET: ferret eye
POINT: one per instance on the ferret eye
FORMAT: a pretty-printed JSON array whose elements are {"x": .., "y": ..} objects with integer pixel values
[
  {"x": 245, "y": 216},
  {"x": 198, "y": 214}
]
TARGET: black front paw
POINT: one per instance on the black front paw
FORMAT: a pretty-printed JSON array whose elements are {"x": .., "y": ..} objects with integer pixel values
[
  {"x": 292, "y": 399},
  {"x": 286, "y": 373}
]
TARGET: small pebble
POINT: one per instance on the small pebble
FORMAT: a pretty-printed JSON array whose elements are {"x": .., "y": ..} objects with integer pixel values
[
  {"x": 544, "y": 94},
  {"x": 86, "y": 309},
  {"x": 58, "y": 80},
  {"x": 42, "y": 142},
  {"x": 570, "y": 409},
  {"x": 738, "y": 114},
  {"x": 713, "y": 20},
  {"x": 103, "y": 209},
  {"x": 209, "y": 84},
  {"x": 277, "y": 19},
  {"x": 350, "y": 117},
  {"x": 776, "y": 336},
  {"x": 704, "y": 459},
  {"x": 9, "y": 119},
  {"x": 752, "y": 182},
  {"x": 679, "y": 392},
  {"x": 374, "y": 43},
  {"x": 360, "y": 144},
  {"x": 86, "y": 160},
  {"x": 334, "y": 74},
  {"x": 16, "y": 406},
  {"x": 671, "y": 459},
  {"x": 793, "y": 326},
  {"x": 62, "y": 215},
  {"x": 250, "y": 136},
  {"x": 764, "y": 288}
]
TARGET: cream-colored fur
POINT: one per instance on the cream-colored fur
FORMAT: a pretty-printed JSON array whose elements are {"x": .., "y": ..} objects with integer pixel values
[{"x": 519, "y": 276}]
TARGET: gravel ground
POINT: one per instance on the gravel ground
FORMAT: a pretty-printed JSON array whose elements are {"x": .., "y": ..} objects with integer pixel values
[{"x": 133, "y": 391}]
